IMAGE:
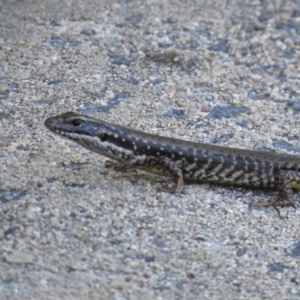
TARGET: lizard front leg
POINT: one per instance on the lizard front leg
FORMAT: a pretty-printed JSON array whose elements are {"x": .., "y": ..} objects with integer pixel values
[{"x": 164, "y": 166}]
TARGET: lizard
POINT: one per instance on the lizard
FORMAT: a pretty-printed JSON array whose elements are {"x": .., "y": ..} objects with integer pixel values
[{"x": 183, "y": 160}]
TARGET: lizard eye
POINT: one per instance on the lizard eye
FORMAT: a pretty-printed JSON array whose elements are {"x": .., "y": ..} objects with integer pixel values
[{"x": 76, "y": 122}]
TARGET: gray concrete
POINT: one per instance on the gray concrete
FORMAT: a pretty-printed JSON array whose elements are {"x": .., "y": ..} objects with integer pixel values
[{"x": 213, "y": 71}]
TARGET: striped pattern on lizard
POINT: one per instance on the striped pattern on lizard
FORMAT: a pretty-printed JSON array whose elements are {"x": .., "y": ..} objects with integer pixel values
[{"x": 183, "y": 160}]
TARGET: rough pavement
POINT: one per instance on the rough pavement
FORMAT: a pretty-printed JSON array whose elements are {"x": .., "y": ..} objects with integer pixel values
[{"x": 224, "y": 72}]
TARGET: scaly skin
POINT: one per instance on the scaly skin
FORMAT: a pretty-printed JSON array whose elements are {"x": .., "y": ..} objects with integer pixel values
[{"x": 181, "y": 159}]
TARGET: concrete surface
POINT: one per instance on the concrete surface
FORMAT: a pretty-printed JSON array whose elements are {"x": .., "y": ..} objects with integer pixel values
[{"x": 224, "y": 72}]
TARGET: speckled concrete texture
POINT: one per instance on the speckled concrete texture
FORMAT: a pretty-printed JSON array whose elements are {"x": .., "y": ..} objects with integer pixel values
[{"x": 223, "y": 72}]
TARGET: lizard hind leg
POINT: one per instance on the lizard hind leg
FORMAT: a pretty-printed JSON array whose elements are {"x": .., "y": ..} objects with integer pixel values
[{"x": 285, "y": 180}]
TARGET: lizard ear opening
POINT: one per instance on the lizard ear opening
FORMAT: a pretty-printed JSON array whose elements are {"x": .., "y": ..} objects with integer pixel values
[{"x": 104, "y": 137}]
